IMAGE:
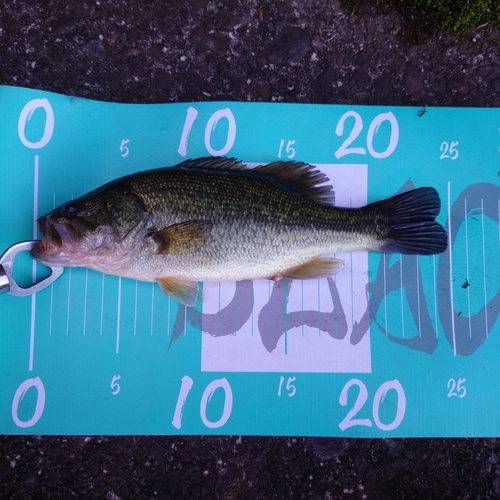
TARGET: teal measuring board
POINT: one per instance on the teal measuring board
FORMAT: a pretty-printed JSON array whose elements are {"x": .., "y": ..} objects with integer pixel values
[{"x": 391, "y": 346}]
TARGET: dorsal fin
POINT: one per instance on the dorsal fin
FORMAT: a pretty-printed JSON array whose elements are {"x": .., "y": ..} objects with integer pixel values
[
  {"x": 302, "y": 178},
  {"x": 214, "y": 163}
]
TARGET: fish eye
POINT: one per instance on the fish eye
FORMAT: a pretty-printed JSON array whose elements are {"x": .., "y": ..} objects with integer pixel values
[{"x": 70, "y": 211}]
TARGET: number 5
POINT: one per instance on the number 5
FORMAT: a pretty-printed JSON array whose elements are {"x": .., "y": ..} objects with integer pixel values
[
  {"x": 124, "y": 149},
  {"x": 115, "y": 386}
]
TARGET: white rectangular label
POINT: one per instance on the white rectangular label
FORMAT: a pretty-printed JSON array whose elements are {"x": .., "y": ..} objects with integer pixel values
[{"x": 311, "y": 332}]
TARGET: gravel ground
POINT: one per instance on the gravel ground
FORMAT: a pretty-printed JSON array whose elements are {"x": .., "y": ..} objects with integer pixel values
[{"x": 307, "y": 51}]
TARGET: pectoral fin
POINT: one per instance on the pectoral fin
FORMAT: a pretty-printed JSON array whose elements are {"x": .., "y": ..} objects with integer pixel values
[
  {"x": 185, "y": 292},
  {"x": 318, "y": 267},
  {"x": 182, "y": 238}
]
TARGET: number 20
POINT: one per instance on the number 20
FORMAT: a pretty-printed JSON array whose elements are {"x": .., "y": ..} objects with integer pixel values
[
  {"x": 372, "y": 130},
  {"x": 349, "y": 421}
]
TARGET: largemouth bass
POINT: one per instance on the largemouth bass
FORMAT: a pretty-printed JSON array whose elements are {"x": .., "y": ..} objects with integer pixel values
[{"x": 213, "y": 219}]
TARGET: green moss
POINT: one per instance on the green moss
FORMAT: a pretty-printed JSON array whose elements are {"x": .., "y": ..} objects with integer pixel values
[
  {"x": 432, "y": 16},
  {"x": 428, "y": 17}
]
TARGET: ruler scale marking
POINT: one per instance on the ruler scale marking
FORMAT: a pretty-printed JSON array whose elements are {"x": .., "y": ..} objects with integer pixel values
[
  {"x": 152, "y": 307},
  {"x": 33, "y": 269},
  {"x": 418, "y": 298},
  {"x": 435, "y": 294},
  {"x": 135, "y": 308},
  {"x": 484, "y": 270},
  {"x": 467, "y": 265},
  {"x": 102, "y": 304},
  {"x": 85, "y": 301},
  {"x": 118, "y": 314},
  {"x": 401, "y": 294},
  {"x": 450, "y": 253},
  {"x": 68, "y": 305},
  {"x": 385, "y": 296}
]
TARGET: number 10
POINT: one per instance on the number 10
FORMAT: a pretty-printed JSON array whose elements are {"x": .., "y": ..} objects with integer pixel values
[
  {"x": 187, "y": 384},
  {"x": 191, "y": 116}
]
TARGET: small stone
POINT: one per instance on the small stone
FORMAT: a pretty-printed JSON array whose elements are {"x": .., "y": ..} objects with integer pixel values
[
  {"x": 216, "y": 43},
  {"x": 162, "y": 79},
  {"x": 327, "y": 448},
  {"x": 360, "y": 465},
  {"x": 412, "y": 79},
  {"x": 383, "y": 88},
  {"x": 463, "y": 89},
  {"x": 290, "y": 46},
  {"x": 397, "y": 465},
  {"x": 197, "y": 4},
  {"x": 361, "y": 77},
  {"x": 496, "y": 85},
  {"x": 5, "y": 467},
  {"x": 94, "y": 48}
]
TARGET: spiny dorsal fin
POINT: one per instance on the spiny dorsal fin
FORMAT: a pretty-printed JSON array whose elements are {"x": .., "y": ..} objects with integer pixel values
[
  {"x": 306, "y": 180},
  {"x": 214, "y": 163}
]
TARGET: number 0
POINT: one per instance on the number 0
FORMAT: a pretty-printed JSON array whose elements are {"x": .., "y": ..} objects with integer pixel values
[
  {"x": 373, "y": 129},
  {"x": 379, "y": 398},
  {"x": 40, "y": 402},
  {"x": 25, "y": 115},
  {"x": 228, "y": 403},
  {"x": 231, "y": 132}
]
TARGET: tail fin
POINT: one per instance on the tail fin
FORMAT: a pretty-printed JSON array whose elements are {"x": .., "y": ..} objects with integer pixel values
[{"x": 412, "y": 228}]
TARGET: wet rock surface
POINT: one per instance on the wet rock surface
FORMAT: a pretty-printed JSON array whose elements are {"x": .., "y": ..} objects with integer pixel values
[
  {"x": 247, "y": 467},
  {"x": 308, "y": 51}
]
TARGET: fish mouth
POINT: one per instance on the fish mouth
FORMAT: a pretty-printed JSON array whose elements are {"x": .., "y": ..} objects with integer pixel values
[
  {"x": 51, "y": 240},
  {"x": 56, "y": 236}
]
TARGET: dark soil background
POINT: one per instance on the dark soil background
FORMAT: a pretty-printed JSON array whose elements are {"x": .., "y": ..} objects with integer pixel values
[{"x": 306, "y": 51}]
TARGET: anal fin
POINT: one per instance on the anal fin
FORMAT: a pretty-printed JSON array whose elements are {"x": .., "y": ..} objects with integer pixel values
[
  {"x": 185, "y": 292},
  {"x": 317, "y": 267}
]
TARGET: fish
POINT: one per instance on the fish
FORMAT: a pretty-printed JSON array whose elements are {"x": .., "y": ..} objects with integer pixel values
[{"x": 215, "y": 219}]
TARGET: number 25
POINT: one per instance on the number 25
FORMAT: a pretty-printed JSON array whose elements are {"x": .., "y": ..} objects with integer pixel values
[
  {"x": 456, "y": 388},
  {"x": 446, "y": 148}
]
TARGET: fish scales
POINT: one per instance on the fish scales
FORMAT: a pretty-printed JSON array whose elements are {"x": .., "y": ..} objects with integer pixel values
[
  {"x": 253, "y": 221},
  {"x": 214, "y": 220}
]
